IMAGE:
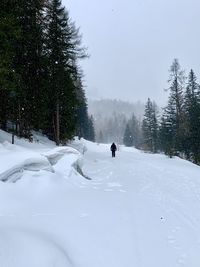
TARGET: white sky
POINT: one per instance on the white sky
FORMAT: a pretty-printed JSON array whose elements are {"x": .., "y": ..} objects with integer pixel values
[{"x": 132, "y": 44}]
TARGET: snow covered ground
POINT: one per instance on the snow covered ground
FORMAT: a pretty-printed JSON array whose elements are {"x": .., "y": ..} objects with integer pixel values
[{"x": 138, "y": 209}]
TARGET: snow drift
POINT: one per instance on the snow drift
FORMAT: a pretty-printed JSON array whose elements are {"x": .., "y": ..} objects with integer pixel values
[{"x": 139, "y": 209}]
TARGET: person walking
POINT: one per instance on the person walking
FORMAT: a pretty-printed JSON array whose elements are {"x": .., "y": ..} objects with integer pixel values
[{"x": 113, "y": 148}]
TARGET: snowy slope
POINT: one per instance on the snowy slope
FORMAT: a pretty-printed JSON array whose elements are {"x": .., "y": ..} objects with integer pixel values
[{"x": 138, "y": 210}]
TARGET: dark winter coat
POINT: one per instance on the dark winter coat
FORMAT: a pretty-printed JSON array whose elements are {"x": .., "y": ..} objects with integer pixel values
[{"x": 113, "y": 147}]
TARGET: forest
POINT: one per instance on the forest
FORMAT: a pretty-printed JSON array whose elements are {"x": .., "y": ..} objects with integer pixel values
[
  {"x": 41, "y": 84},
  {"x": 173, "y": 129},
  {"x": 41, "y": 88},
  {"x": 177, "y": 130}
]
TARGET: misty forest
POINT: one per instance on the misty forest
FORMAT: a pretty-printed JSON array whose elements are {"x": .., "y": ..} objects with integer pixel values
[
  {"x": 174, "y": 129},
  {"x": 41, "y": 89}
]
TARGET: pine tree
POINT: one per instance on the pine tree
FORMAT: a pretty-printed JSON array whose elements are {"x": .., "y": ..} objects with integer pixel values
[
  {"x": 172, "y": 126},
  {"x": 135, "y": 131},
  {"x": 167, "y": 133},
  {"x": 150, "y": 127},
  {"x": 29, "y": 62},
  {"x": 84, "y": 122},
  {"x": 91, "y": 132},
  {"x": 9, "y": 78},
  {"x": 128, "y": 138},
  {"x": 26, "y": 45},
  {"x": 63, "y": 46},
  {"x": 192, "y": 115}
]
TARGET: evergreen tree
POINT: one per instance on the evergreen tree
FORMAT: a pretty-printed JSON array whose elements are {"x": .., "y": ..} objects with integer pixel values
[
  {"x": 172, "y": 126},
  {"x": 91, "y": 131},
  {"x": 40, "y": 81},
  {"x": 132, "y": 134},
  {"x": 28, "y": 62},
  {"x": 128, "y": 138},
  {"x": 84, "y": 122},
  {"x": 135, "y": 131},
  {"x": 192, "y": 115},
  {"x": 9, "y": 78},
  {"x": 167, "y": 133},
  {"x": 150, "y": 127},
  {"x": 63, "y": 46}
]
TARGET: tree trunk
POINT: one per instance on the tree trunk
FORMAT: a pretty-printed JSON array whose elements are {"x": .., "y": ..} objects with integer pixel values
[{"x": 57, "y": 123}]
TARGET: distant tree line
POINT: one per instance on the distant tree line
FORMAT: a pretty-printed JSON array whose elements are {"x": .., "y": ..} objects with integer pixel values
[
  {"x": 111, "y": 117},
  {"x": 111, "y": 128},
  {"x": 177, "y": 130},
  {"x": 40, "y": 79}
]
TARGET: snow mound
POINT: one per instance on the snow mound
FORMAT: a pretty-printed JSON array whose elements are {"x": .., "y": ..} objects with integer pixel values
[
  {"x": 19, "y": 157},
  {"x": 79, "y": 145},
  {"x": 57, "y": 153},
  {"x": 17, "y": 242},
  {"x": 32, "y": 164},
  {"x": 139, "y": 209}
]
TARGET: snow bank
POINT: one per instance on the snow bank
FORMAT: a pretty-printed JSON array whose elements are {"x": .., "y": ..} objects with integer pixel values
[
  {"x": 39, "y": 141},
  {"x": 57, "y": 153},
  {"x": 15, "y": 159},
  {"x": 37, "y": 249},
  {"x": 139, "y": 209}
]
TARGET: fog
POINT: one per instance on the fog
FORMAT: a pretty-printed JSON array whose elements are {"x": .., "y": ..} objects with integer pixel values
[{"x": 132, "y": 44}]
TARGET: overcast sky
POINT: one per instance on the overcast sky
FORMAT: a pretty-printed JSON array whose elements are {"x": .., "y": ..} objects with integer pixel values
[{"x": 132, "y": 44}]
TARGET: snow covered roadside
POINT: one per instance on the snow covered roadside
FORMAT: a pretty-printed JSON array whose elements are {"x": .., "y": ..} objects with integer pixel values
[
  {"x": 15, "y": 159},
  {"x": 40, "y": 172},
  {"x": 138, "y": 210}
]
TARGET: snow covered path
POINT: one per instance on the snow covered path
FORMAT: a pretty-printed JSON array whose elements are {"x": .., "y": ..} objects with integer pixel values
[
  {"x": 138, "y": 210},
  {"x": 150, "y": 209}
]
